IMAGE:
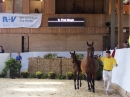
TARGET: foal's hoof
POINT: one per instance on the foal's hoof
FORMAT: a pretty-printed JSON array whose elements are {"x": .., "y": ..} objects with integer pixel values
[
  {"x": 80, "y": 84},
  {"x": 89, "y": 90},
  {"x": 93, "y": 91}
]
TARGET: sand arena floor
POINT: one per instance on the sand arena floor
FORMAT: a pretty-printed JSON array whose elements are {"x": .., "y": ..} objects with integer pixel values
[{"x": 49, "y": 88}]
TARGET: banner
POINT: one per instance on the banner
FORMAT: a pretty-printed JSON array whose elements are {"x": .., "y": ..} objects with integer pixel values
[{"x": 20, "y": 20}]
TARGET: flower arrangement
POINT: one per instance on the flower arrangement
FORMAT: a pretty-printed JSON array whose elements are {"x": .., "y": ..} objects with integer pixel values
[
  {"x": 51, "y": 75},
  {"x": 50, "y": 56},
  {"x": 69, "y": 75},
  {"x": 25, "y": 74},
  {"x": 38, "y": 74}
]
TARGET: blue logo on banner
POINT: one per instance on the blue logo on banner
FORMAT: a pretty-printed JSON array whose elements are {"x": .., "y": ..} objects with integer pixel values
[{"x": 9, "y": 19}]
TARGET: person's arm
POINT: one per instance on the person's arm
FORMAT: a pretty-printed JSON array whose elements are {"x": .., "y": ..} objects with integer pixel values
[
  {"x": 101, "y": 58},
  {"x": 114, "y": 62},
  {"x": 20, "y": 58}
]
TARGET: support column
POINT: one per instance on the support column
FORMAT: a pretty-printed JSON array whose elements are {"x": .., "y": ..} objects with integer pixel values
[
  {"x": 26, "y": 6},
  {"x": 13, "y": 5},
  {"x": 112, "y": 24},
  {"x": 49, "y": 6},
  {"x": 120, "y": 23},
  {"x": 109, "y": 6}
]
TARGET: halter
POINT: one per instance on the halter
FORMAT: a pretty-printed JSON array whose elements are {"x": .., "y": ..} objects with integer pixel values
[
  {"x": 90, "y": 50},
  {"x": 90, "y": 53}
]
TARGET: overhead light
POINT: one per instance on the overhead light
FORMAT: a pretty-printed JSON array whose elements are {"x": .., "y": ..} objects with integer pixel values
[
  {"x": 3, "y": 0},
  {"x": 41, "y": 0},
  {"x": 124, "y": 30},
  {"x": 125, "y": 1}
]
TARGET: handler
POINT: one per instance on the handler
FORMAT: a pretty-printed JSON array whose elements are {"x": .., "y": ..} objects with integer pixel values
[{"x": 108, "y": 62}]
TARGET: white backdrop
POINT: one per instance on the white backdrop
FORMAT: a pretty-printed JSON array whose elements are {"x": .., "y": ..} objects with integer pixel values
[
  {"x": 27, "y": 55},
  {"x": 120, "y": 74}
]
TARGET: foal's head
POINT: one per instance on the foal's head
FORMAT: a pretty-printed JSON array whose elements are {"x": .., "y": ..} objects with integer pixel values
[
  {"x": 73, "y": 56},
  {"x": 90, "y": 49}
]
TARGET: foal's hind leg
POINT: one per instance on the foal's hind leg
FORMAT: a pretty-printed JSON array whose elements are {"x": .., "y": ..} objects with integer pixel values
[
  {"x": 93, "y": 86},
  {"x": 80, "y": 79}
]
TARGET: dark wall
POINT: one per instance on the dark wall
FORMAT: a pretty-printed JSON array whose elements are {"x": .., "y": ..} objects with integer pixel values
[{"x": 79, "y": 6}]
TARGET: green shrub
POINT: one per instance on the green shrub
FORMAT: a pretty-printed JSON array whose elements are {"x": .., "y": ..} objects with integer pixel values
[
  {"x": 61, "y": 77},
  {"x": 4, "y": 72},
  {"x": 83, "y": 77},
  {"x": 32, "y": 76},
  {"x": 13, "y": 65},
  {"x": 99, "y": 73},
  {"x": 50, "y": 56},
  {"x": 44, "y": 76},
  {"x": 79, "y": 56}
]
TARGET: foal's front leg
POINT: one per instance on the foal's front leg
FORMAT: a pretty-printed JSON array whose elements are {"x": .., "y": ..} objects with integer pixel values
[
  {"x": 75, "y": 81},
  {"x": 88, "y": 80},
  {"x": 93, "y": 90}
]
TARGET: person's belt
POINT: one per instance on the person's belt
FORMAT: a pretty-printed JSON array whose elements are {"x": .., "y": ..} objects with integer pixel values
[{"x": 107, "y": 70}]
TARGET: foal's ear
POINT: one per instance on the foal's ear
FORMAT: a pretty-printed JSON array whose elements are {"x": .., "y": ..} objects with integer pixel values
[
  {"x": 74, "y": 52},
  {"x": 88, "y": 44}
]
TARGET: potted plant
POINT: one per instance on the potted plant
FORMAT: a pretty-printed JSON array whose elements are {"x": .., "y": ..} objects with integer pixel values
[
  {"x": 39, "y": 74},
  {"x": 61, "y": 77},
  {"x": 69, "y": 75},
  {"x": 13, "y": 65},
  {"x": 51, "y": 75},
  {"x": 25, "y": 74},
  {"x": 99, "y": 73}
]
